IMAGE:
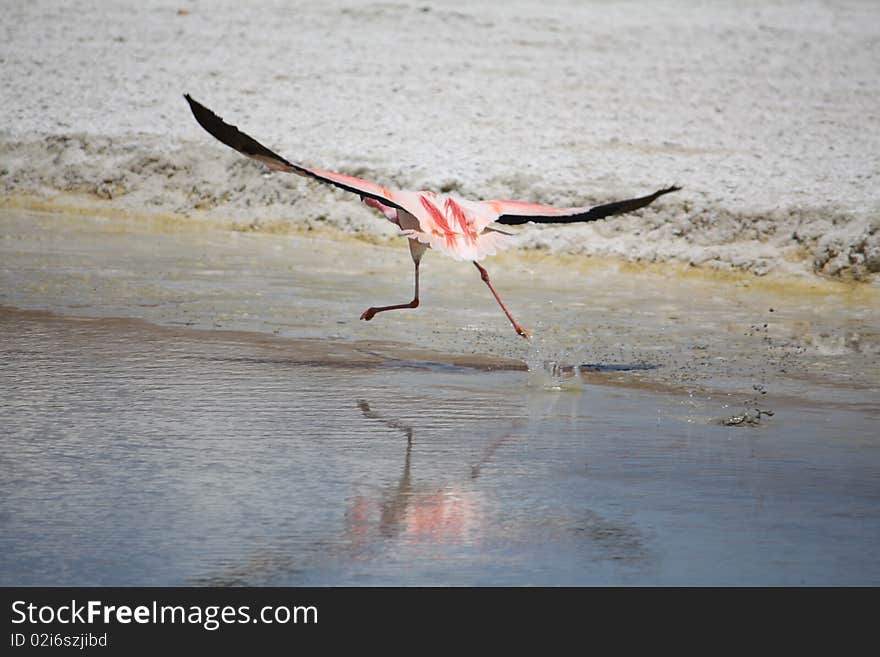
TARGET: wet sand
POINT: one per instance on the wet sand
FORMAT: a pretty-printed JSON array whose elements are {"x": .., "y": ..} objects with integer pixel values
[{"x": 202, "y": 406}]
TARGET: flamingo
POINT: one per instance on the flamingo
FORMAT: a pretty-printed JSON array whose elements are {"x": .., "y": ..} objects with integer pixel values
[{"x": 457, "y": 227}]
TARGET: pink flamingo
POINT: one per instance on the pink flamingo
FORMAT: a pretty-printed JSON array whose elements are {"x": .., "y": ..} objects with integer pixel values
[{"x": 459, "y": 228}]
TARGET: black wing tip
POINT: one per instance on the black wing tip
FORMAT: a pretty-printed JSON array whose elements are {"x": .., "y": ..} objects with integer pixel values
[
  {"x": 593, "y": 214},
  {"x": 199, "y": 111},
  {"x": 197, "y": 108}
]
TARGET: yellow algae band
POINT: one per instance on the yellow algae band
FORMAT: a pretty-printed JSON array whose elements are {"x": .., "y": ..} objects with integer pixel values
[{"x": 797, "y": 280}]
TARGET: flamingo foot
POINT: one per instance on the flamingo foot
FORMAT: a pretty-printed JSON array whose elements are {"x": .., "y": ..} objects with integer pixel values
[{"x": 369, "y": 313}]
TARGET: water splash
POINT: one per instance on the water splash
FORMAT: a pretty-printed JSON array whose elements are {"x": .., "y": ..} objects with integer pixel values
[{"x": 550, "y": 364}]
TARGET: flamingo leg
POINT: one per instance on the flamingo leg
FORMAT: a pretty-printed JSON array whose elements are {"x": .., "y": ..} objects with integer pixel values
[
  {"x": 485, "y": 276},
  {"x": 369, "y": 313}
]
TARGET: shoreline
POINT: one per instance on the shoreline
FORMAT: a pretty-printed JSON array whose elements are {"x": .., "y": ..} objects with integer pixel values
[
  {"x": 713, "y": 332},
  {"x": 267, "y": 348}
]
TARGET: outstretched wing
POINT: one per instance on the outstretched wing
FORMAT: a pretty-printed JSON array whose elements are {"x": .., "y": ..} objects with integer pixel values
[
  {"x": 246, "y": 145},
  {"x": 516, "y": 212}
]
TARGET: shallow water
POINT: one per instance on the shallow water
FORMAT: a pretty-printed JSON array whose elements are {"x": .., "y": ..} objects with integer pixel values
[{"x": 278, "y": 453}]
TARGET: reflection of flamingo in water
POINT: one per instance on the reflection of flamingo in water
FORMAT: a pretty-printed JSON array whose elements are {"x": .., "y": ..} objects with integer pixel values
[
  {"x": 454, "y": 226},
  {"x": 447, "y": 513},
  {"x": 407, "y": 511}
]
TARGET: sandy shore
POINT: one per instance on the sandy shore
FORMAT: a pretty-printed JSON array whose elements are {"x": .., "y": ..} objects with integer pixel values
[{"x": 764, "y": 112}]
